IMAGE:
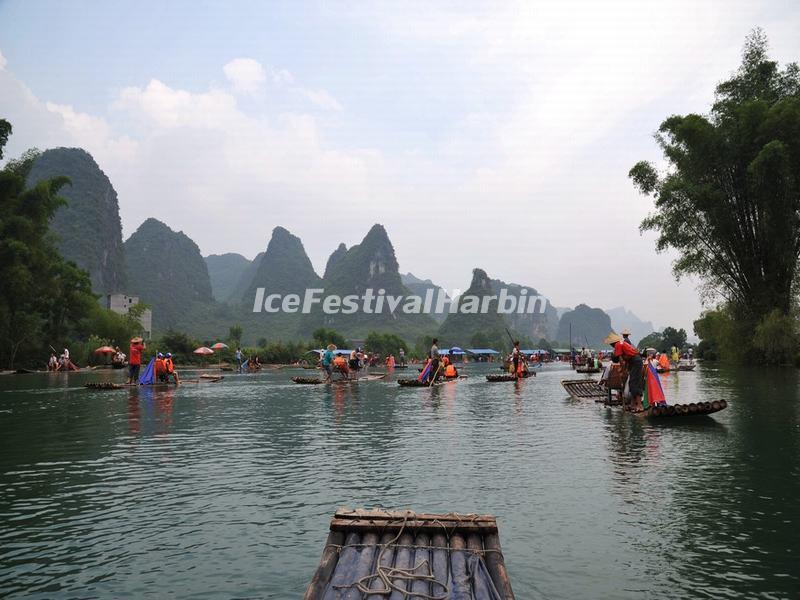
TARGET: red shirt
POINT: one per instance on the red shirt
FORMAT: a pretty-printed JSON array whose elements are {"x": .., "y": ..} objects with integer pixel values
[
  {"x": 625, "y": 350},
  {"x": 135, "y": 354}
]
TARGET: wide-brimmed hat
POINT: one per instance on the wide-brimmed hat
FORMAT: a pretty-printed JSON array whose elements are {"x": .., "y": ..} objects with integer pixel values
[
  {"x": 136, "y": 340},
  {"x": 612, "y": 338},
  {"x": 626, "y": 331},
  {"x": 331, "y": 346}
]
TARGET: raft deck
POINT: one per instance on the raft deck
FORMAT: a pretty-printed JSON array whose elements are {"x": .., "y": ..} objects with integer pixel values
[
  {"x": 376, "y": 554},
  {"x": 508, "y": 377}
]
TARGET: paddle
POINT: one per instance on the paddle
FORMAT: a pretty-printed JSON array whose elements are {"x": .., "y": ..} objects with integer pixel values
[{"x": 439, "y": 366}]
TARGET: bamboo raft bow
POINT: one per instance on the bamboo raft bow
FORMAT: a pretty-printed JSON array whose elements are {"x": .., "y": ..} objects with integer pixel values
[
  {"x": 375, "y": 554},
  {"x": 108, "y": 385},
  {"x": 418, "y": 383},
  {"x": 509, "y": 377},
  {"x": 685, "y": 367},
  {"x": 317, "y": 380},
  {"x": 589, "y": 389}
]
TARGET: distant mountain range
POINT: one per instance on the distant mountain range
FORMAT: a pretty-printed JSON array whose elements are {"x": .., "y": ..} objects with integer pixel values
[{"x": 205, "y": 296}]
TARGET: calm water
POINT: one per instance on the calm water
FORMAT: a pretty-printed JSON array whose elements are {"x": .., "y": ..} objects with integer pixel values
[{"x": 226, "y": 490}]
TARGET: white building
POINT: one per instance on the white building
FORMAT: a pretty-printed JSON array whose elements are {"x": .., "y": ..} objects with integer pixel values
[{"x": 121, "y": 304}]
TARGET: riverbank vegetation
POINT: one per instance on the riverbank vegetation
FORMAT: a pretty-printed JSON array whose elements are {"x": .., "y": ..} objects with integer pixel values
[{"x": 729, "y": 202}]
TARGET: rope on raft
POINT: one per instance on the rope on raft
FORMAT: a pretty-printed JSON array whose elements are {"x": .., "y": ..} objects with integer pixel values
[{"x": 387, "y": 575}]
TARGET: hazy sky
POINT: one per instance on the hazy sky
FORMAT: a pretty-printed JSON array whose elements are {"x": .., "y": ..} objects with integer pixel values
[{"x": 495, "y": 135}]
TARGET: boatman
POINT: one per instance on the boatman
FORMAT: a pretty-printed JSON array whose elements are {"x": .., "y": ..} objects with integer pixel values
[
  {"x": 402, "y": 355},
  {"x": 629, "y": 356},
  {"x": 135, "y": 361},
  {"x": 626, "y": 337},
  {"x": 434, "y": 356},
  {"x": 327, "y": 361},
  {"x": 516, "y": 360}
]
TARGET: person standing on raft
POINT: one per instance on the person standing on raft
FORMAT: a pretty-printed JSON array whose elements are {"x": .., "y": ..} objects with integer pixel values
[
  {"x": 434, "y": 357},
  {"x": 517, "y": 362},
  {"x": 135, "y": 360},
  {"x": 327, "y": 361},
  {"x": 632, "y": 360}
]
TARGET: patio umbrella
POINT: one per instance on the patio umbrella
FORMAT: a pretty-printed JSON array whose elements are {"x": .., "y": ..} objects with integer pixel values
[
  {"x": 105, "y": 350},
  {"x": 203, "y": 351},
  {"x": 219, "y": 346}
]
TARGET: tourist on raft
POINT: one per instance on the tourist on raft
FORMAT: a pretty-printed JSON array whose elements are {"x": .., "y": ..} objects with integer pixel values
[
  {"x": 171, "y": 372},
  {"x": 327, "y": 361},
  {"x": 629, "y": 356},
  {"x": 161, "y": 368},
  {"x": 450, "y": 371},
  {"x": 355, "y": 362}
]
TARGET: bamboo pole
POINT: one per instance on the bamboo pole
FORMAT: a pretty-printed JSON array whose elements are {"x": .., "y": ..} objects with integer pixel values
[{"x": 330, "y": 556}]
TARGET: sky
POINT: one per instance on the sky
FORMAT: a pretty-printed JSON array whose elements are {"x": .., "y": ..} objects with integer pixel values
[{"x": 496, "y": 135}]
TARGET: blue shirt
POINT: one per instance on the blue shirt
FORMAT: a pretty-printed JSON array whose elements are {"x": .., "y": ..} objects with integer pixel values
[{"x": 327, "y": 358}]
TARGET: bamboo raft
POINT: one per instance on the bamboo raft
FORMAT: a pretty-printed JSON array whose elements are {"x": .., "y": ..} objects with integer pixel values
[
  {"x": 685, "y": 367},
  {"x": 317, "y": 380},
  {"x": 508, "y": 377},
  {"x": 588, "y": 370},
  {"x": 374, "y": 553},
  {"x": 108, "y": 385},
  {"x": 589, "y": 389},
  {"x": 418, "y": 383},
  {"x": 586, "y": 389}
]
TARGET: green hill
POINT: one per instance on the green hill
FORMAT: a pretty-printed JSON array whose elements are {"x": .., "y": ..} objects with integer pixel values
[
  {"x": 284, "y": 269},
  {"x": 224, "y": 271},
  {"x": 369, "y": 265},
  {"x": 533, "y": 326},
  {"x": 461, "y": 328},
  {"x": 88, "y": 229},
  {"x": 168, "y": 272},
  {"x": 334, "y": 259},
  {"x": 590, "y": 326}
]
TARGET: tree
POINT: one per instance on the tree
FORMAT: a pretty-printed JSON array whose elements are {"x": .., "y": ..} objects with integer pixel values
[
  {"x": 729, "y": 202},
  {"x": 5, "y": 133},
  {"x": 673, "y": 337},
  {"x": 652, "y": 340},
  {"x": 384, "y": 343},
  {"x": 235, "y": 334},
  {"x": 322, "y": 337},
  {"x": 43, "y": 297}
]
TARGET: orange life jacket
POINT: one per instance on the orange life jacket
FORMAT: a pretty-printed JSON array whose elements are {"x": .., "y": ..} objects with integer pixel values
[
  {"x": 169, "y": 365},
  {"x": 450, "y": 371},
  {"x": 161, "y": 367}
]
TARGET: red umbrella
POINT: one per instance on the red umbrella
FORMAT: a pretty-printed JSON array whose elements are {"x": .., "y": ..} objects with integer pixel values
[
  {"x": 219, "y": 346},
  {"x": 105, "y": 350}
]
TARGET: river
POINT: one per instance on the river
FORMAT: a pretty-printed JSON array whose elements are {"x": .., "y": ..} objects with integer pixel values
[{"x": 226, "y": 490}]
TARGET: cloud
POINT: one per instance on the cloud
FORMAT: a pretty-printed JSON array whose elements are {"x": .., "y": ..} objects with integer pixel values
[
  {"x": 322, "y": 99},
  {"x": 3, "y": 61},
  {"x": 246, "y": 74}
]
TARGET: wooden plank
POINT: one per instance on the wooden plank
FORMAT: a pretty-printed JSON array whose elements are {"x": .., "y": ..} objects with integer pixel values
[
  {"x": 497, "y": 567},
  {"x": 379, "y": 524},
  {"x": 376, "y": 513},
  {"x": 330, "y": 556}
]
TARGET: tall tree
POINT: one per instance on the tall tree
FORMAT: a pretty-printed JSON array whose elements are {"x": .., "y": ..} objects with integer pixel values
[
  {"x": 729, "y": 202},
  {"x": 42, "y": 297}
]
